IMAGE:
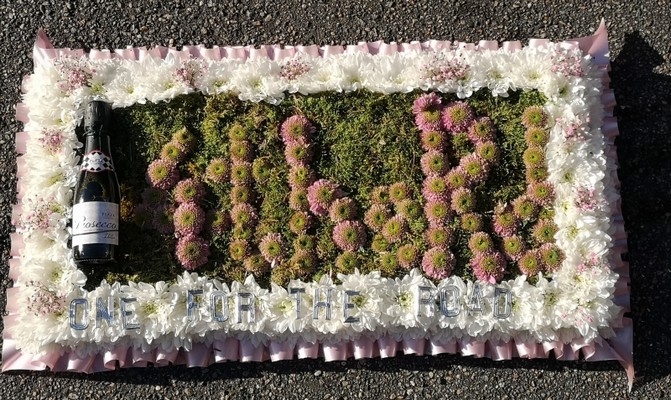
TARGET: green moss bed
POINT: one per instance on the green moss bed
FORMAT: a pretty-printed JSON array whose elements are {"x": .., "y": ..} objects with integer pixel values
[{"x": 362, "y": 140}]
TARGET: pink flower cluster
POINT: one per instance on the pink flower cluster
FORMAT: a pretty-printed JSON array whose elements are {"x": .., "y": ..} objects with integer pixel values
[
  {"x": 74, "y": 73},
  {"x": 43, "y": 302},
  {"x": 51, "y": 139},
  {"x": 450, "y": 190},
  {"x": 508, "y": 219},
  {"x": 306, "y": 194},
  {"x": 191, "y": 71},
  {"x": 294, "y": 68},
  {"x": 391, "y": 226},
  {"x": 441, "y": 69},
  {"x": 172, "y": 206},
  {"x": 567, "y": 63}
]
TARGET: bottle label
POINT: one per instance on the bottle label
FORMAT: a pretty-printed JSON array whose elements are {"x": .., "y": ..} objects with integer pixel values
[
  {"x": 95, "y": 222},
  {"x": 97, "y": 161}
]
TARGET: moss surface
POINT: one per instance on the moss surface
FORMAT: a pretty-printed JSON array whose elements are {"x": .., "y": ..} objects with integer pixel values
[{"x": 363, "y": 140}]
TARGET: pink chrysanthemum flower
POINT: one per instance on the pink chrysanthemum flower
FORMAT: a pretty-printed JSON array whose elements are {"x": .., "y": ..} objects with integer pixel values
[
  {"x": 544, "y": 231},
  {"x": 534, "y": 157},
  {"x": 342, "y": 209},
  {"x": 238, "y": 249},
  {"x": 457, "y": 117},
  {"x": 434, "y": 163},
  {"x": 398, "y": 192},
  {"x": 551, "y": 257},
  {"x": 457, "y": 178},
  {"x": 379, "y": 244},
  {"x": 261, "y": 170},
  {"x": 297, "y": 154},
  {"x": 435, "y": 188},
  {"x": 439, "y": 236},
  {"x": 162, "y": 174},
  {"x": 481, "y": 130},
  {"x": 298, "y": 200},
  {"x": 541, "y": 193},
  {"x": 188, "y": 219},
  {"x": 474, "y": 167},
  {"x": 438, "y": 263},
  {"x": 463, "y": 201},
  {"x": 488, "y": 151},
  {"x": 536, "y": 174},
  {"x": 241, "y": 150},
  {"x": 271, "y": 247},
  {"x": 154, "y": 197},
  {"x": 163, "y": 220},
  {"x": 256, "y": 265},
  {"x": 436, "y": 212},
  {"x": 529, "y": 263},
  {"x": 505, "y": 223},
  {"x": 409, "y": 209},
  {"x": 346, "y": 262},
  {"x": 296, "y": 129},
  {"x": 320, "y": 196},
  {"x": 188, "y": 190},
  {"x": 218, "y": 222},
  {"x": 303, "y": 262},
  {"x": 534, "y": 117},
  {"x": 407, "y": 256},
  {"x": 216, "y": 171},
  {"x": 304, "y": 242},
  {"x": 173, "y": 152},
  {"x": 380, "y": 195},
  {"x": 471, "y": 222},
  {"x": 433, "y": 140},
  {"x": 192, "y": 252},
  {"x": 427, "y": 109},
  {"x": 241, "y": 173},
  {"x": 376, "y": 216},
  {"x": 425, "y": 102},
  {"x": 243, "y": 214},
  {"x": 240, "y": 194},
  {"x": 394, "y": 230},
  {"x": 301, "y": 177},
  {"x": 429, "y": 120},
  {"x": 349, "y": 235},
  {"x": 524, "y": 208},
  {"x": 536, "y": 137},
  {"x": 488, "y": 267},
  {"x": 513, "y": 247},
  {"x": 299, "y": 222},
  {"x": 185, "y": 139},
  {"x": 480, "y": 242}
]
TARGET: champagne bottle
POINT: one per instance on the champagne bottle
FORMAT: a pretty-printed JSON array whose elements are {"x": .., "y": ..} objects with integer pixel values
[{"x": 95, "y": 210}]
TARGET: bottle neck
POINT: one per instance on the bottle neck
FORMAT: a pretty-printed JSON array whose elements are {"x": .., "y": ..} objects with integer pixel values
[{"x": 97, "y": 141}]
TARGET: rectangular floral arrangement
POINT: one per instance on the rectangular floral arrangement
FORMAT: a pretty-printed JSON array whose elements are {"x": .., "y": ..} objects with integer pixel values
[{"x": 276, "y": 202}]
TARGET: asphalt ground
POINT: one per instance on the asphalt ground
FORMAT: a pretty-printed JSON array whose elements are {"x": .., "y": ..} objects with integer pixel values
[{"x": 640, "y": 40}]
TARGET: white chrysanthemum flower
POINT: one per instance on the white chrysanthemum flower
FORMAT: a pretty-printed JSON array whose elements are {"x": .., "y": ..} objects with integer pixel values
[
  {"x": 406, "y": 309},
  {"x": 257, "y": 80},
  {"x": 100, "y": 329},
  {"x": 250, "y": 308},
  {"x": 153, "y": 308},
  {"x": 285, "y": 317},
  {"x": 218, "y": 75},
  {"x": 367, "y": 303}
]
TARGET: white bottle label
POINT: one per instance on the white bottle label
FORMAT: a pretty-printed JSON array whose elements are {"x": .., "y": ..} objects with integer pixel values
[{"x": 95, "y": 222}]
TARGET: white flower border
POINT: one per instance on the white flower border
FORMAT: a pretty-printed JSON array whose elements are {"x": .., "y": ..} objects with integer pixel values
[{"x": 576, "y": 303}]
